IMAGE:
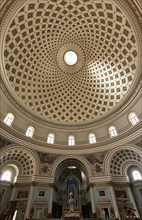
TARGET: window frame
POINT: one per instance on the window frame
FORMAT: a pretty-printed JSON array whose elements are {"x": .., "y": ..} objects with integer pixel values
[
  {"x": 4, "y": 174},
  {"x": 51, "y": 138},
  {"x": 9, "y": 118},
  {"x": 133, "y": 118},
  {"x": 92, "y": 138},
  {"x": 137, "y": 175},
  {"x": 30, "y": 131},
  {"x": 71, "y": 140},
  {"x": 112, "y": 131}
]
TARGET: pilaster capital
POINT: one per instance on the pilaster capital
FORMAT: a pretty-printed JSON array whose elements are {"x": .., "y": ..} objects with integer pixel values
[
  {"x": 90, "y": 185},
  {"x": 14, "y": 185},
  {"x": 52, "y": 185},
  {"x": 110, "y": 183},
  {"x": 33, "y": 183}
]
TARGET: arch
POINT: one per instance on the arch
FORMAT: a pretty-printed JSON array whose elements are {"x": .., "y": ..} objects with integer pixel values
[
  {"x": 14, "y": 171},
  {"x": 118, "y": 160},
  {"x": 14, "y": 164},
  {"x": 9, "y": 119},
  {"x": 25, "y": 159},
  {"x": 81, "y": 159},
  {"x": 128, "y": 164}
]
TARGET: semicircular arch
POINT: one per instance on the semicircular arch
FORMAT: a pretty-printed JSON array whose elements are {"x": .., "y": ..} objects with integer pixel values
[
  {"x": 129, "y": 164},
  {"x": 25, "y": 159},
  {"x": 118, "y": 160},
  {"x": 85, "y": 164}
]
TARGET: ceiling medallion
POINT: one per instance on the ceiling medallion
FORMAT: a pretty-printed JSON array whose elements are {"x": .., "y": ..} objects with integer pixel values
[{"x": 70, "y": 58}]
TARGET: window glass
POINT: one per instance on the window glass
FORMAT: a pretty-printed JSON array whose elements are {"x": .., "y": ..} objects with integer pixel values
[
  {"x": 71, "y": 140},
  {"x": 9, "y": 119},
  {"x": 133, "y": 118},
  {"x": 92, "y": 138},
  {"x": 6, "y": 176},
  {"x": 112, "y": 131},
  {"x": 30, "y": 131},
  {"x": 51, "y": 138},
  {"x": 136, "y": 175}
]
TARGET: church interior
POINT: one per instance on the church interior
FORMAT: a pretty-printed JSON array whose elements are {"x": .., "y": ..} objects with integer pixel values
[{"x": 71, "y": 109}]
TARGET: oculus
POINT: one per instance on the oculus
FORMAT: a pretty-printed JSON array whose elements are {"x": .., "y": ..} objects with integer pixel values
[{"x": 70, "y": 58}]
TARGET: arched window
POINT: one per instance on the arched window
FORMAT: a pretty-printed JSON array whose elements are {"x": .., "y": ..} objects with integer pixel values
[
  {"x": 71, "y": 140},
  {"x": 30, "y": 131},
  {"x": 6, "y": 176},
  {"x": 112, "y": 131},
  {"x": 51, "y": 138},
  {"x": 133, "y": 118},
  {"x": 136, "y": 175},
  {"x": 9, "y": 119},
  {"x": 92, "y": 138}
]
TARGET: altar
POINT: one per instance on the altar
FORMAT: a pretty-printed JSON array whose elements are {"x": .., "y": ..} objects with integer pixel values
[
  {"x": 71, "y": 208},
  {"x": 76, "y": 215},
  {"x": 72, "y": 216}
]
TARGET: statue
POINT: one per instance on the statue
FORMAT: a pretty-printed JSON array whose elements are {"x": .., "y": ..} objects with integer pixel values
[
  {"x": 97, "y": 168},
  {"x": 71, "y": 202},
  {"x": 45, "y": 168}
]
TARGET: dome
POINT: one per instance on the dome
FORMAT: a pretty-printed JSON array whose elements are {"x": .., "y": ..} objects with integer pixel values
[
  {"x": 34, "y": 43},
  {"x": 71, "y": 109},
  {"x": 39, "y": 40}
]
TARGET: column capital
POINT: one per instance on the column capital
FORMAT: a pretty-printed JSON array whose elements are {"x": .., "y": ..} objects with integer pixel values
[
  {"x": 52, "y": 185},
  {"x": 110, "y": 183},
  {"x": 128, "y": 184},
  {"x": 91, "y": 184},
  {"x": 33, "y": 183},
  {"x": 14, "y": 185}
]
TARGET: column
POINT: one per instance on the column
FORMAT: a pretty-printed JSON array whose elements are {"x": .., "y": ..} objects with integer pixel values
[
  {"x": 116, "y": 211},
  {"x": 50, "y": 200},
  {"x": 28, "y": 207},
  {"x": 92, "y": 199},
  {"x": 12, "y": 197},
  {"x": 133, "y": 201}
]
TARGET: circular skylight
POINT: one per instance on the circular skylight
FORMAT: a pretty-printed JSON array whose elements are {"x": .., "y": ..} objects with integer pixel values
[{"x": 70, "y": 58}]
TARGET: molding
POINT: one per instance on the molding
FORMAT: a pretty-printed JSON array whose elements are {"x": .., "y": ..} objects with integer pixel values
[
  {"x": 85, "y": 164},
  {"x": 41, "y": 146},
  {"x": 107, "y": 179}
]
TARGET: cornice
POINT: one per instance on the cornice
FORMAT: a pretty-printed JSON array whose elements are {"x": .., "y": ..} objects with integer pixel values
[
  {"x": 35, "y": 180},
  {"x": 107, "y": 179}
]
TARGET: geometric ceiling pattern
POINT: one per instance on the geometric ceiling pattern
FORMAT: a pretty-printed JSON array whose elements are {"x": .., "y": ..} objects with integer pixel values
[
  {"x": 22, "y": 158},
  {"x": 32, "y": 39},
  {"x": 120, "y": 158}
]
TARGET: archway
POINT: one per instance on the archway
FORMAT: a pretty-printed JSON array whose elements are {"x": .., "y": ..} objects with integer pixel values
[
  {"x": 71, "y": 178},
  {"x": 20, "y": 162}
]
